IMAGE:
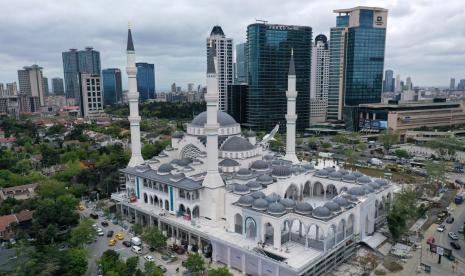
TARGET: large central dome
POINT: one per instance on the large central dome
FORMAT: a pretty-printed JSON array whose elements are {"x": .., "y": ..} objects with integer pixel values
[{"x": 224, "y": 119}]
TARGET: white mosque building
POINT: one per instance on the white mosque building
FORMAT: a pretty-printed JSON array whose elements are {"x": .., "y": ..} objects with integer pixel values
[{"x": 226, "y": 194}]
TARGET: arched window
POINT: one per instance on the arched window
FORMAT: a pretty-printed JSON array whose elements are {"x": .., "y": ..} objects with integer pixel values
[
  {"x": 250, "y": 228},
  {"x": 238, "y": 223}
]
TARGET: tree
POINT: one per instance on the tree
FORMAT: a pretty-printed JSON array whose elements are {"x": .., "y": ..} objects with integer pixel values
[
  {"x": 435, "y": 172},
  {"x": 340, "y": 138},
  {"x": 446, "y": 145},
  {"x": 195, "y": 263},
  {"x": 131, "y": 264},
  {"x": 277, "y": 142},
  {"x": 313, "y": 142},
  {"x": 403, "y": 208},
  {"x": 401, "y": 153},
  {"x": 326, "y": 146},
  {"x": 220, "y": 271},
  {"x": 362, "y": 147},
  {"x": 388, "y": 139},
  {"x": 51, "y": 189},
  {"x": 82, "y": 233},
  {"x": 74, "y": 262},
  {"x": 351, "y": 157},
  {"x": 151, "y": 269},
  {"x": 154, "y": 237}
]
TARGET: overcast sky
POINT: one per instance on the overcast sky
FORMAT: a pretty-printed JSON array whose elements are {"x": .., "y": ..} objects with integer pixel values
[{"x": 425, "y": 38}]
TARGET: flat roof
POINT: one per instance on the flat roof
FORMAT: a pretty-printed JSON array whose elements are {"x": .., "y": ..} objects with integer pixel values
[
  {"x": 359, "y": 8},
  {"x": 409, "y": 104}
]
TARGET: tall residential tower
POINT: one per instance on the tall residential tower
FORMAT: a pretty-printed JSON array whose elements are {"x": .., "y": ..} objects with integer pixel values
[{"x": 319, "y": 80}]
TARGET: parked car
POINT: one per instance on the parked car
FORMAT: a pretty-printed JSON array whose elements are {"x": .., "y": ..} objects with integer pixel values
[
  {"x": 441, "y": 228},
  {"x": 162, "y": 268},
  {"x": 127, "y": 243},
  {"x": 110, "y": 233},
  {"x": 453, "y": 236},
  {"x": 149, "y": 258},
  {"x": 112, "y": 242},
  {"x": 104, "y": 223},
  {"x": 120, "y": 236},
  {"x": 450, "y": 220},
  {"x": 455, "y": 245},
  {"x": 100, "y": 232}
]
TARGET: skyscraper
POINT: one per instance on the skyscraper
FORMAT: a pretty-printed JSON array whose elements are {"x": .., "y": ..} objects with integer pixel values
[
  {"x": 224, "y": 60},
  {"x": 91, "y": 95},
  {"x": 356, "y": 61},
  {"x": 319, "y": 80},
  {"x": 145, "y": 81},
  {"x": 58, "y": 87},
  {"x": 76, "y": 62},
  {"x": 269, "y": 49},
  {"x": 31, "y": 88},
  {"x": 241, "y": 64},
  {"x": 452, "y": 84},
  {"x": 45, "y": 83},
  {"x": 389, "y": 81},
  {"x": 112, "y": 87},
  {"x": 408, "y": 84},
  {"x": 398, "y": 87}
]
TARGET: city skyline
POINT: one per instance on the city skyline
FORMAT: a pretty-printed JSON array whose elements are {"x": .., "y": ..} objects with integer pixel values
[{"x": 425, "y": 52}]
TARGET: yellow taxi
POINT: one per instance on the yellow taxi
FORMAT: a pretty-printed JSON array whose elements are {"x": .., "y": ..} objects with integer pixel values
[
  {"x": 119, "y": 236},
  {"x": 81, "y": 208},
  {"x": 112, "y": 242}
]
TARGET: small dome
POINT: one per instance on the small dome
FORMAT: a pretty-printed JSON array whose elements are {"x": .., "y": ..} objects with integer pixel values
[
  {"x": 342, "y": 201},
  {"x": 265, "y": 179},
  {"x": 374, "y": 185},
  {"x": 217, "y": 31},
  {"x": 368, "y": 188},
  {"x": 276, "y": 208},
  {"x": 350, "y": 198},
  {"x": 268, "y": 157},
  {"x": 330, "y": 169},
  {"x": 245, "y": 200},
  {"x": 229, "y": 163},
  {"x": 260, "y": 204},
  {"x": 175, "y": 161},
  {"x": 321, "y": 212},
  {"x": 177, "y": 134},
  {"x": 244, "y": 172},
  {"x": 241, "y": 189},
  {"x": 364, "y": 179},
  {"x": 308, "y": 166},
  {"x": 237, "y": 143},
  {"x": 343, "y": 172},
  {"x": 358, "y": 174},
  {"x": 287, "y": 203},
  {"x": 281, "y": 171},
  {"x": 322, "y": 173},
  {"x": 224, "y": 119},
  {"x": 254, "y": 185},
  {"x": 257, "y": 194},
  {"x": 165, "y": 168},
  {"x": 357, "y": 191},
  {"x": 350, "y": 177},
  {"x": 335, "y": 175},
  {"x": 332, "y": 206},
  {"x": 303, "y": 208},
  {"x": 185, "y": 161},
  {"x": 381, "y": 181},
  {"x": 259, "y": 165},
  {"x": 250, "y": 133},
  {"x": 273, "y": 197}
]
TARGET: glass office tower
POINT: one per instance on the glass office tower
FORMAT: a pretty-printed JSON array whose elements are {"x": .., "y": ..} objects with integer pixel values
[
  {"x": 268, "y": 55},
  {"x": 112, "y": 88},
  {"x": 356, "y": 62},
  {"x": 241, "y": 64},
  {"x": 145, "y": 81}
]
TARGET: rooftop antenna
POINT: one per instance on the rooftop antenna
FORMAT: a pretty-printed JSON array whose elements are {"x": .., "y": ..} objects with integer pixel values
[{"x": 261, "y": 21}]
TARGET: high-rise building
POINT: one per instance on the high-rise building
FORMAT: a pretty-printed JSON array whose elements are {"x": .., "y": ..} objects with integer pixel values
[
  {"x": 31, "y": 88},
  {"x": 408, "y": 84},
  {"x": 190, "y": 87},
  {"x": 224, "y": 62},
  {"x": 45, "y": 83},
  {"x": 145, "y": 81},
  {"x": 76, "y": 62},
  {"x": 173, "y": 87},
  {"x": 112, "y": 87},
  {"x": 398, "y": 87},
  {"x": 9, "y": 99},
  {"x": 356, "y": 61},
  {"x": 269, "y": 49},
  {"x": 319, "y": 80},
  {"x": 91, "y": 96},
  {"x": 388, "y": 81},
  {"x": 452, "y": 84},
  {"x": 461, "y": 85},
  {"x": 241, "y": 64},
  {"x": 237, "y": 102},
  {"x": 58, "y": 87}
]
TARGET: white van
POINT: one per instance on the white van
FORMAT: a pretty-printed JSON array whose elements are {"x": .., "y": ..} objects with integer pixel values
[
  {"x": 136, "y": 241},
  {"x": 136, "y": 249}
]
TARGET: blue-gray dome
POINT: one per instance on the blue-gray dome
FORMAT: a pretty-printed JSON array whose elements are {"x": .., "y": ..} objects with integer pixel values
[
  {"x": 322, "y": 173},
  {"x": 244, "y": 172},
  {"x": 368, "y": 188},
  {"x": 165, "y": 168},
  {"x": 254, "y": 185},
  {"x": 184, "y": 162},
  {"x": 281, "y": 171},
  {"x": 358, "y": 174},
  {"x": 276, "y": 208},
  {"x": 265, "y": 179},
  {"x": 364, "y": 179},
  {"x": 236, "y": 143},
  {"x": 343, "y": 172},
  {"x": 257, "y": 194},
  {"x": 224, "y": 119},
  {"x": 241, "y": 189},
  {"x": 350, "y": 177},
  {"x": 374, "y": 185},
  {"x": 260, "y": 204},
  {"x": 321, "y": 212},
  {"x": 308, "y": 166},
  {"x": 335, "y": 175},
  {"x": 273, "y": 197},
  {"x": 229, "y": 163},
  {"x": 259, "y": 165},
  {"x": 177, "y": 134},
  {"x": 357, "y": 191},
  {"x": 303, "y": 208},
  {"x": 381, "y": 181},
  {"x": 330, "y": 169},
  {"x": 332, "y": 206},
  {"x": 245, "y": 200},
  {"x": 268, "y": 157},
  {"x": 341, "y": 201},
  {"x": 287, "y": 203}
]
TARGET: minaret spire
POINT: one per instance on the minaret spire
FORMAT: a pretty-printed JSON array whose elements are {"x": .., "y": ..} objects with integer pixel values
[
  {"x": 291, "y": 116},
  {"x": 133, "y": 98}
]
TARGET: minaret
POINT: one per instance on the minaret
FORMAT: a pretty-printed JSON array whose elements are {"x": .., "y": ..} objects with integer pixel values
[
  {"x": 212, "y": 205},
  {"x": 133, "y": 98},
  {"x": 291, "y": 116}
]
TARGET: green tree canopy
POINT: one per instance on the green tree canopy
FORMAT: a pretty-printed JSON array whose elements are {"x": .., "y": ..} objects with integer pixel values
[
  {"x": 154, "y": 237},
  {"x": 82, "y": 233},
  {"x": 195, "y": 263},
  {"x": 388, "y": 139},
  {"x": 220, "y": 271}
]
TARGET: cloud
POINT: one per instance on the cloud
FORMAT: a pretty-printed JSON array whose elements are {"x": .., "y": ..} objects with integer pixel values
[{"x": 425, "y": 37}]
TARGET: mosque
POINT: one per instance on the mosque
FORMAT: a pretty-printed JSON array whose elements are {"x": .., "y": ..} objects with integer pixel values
[{"x": 225, "y": 194}]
